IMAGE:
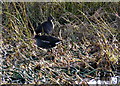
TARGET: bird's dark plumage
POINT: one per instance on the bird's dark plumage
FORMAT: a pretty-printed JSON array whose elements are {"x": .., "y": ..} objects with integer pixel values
[
  {"x": 46, "y": 26},
  {"x": 39, "y": 28},
  {"x": 46, "y": 41}
]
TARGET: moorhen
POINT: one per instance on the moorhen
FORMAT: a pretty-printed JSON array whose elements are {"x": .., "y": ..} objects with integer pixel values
[
  {"x": 46, "y": 42},
  {"x": 46, "y": 26}
]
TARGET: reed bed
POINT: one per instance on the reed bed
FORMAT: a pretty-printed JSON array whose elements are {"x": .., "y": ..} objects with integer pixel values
[{"x": 89, "y": 49}]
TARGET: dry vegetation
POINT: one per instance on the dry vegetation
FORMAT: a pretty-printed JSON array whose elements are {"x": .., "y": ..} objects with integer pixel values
[{"x": 89, "y": 49}]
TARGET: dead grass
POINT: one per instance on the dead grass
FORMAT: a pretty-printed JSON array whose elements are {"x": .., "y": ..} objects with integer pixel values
[{"x": 89, "y": 48}]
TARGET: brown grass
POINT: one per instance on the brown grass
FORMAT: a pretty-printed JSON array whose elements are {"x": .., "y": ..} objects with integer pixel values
[{"x": 89, "y": 48}]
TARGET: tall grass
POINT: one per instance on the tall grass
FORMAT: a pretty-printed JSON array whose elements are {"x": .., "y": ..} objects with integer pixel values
[{"x": 89, "y": 49}]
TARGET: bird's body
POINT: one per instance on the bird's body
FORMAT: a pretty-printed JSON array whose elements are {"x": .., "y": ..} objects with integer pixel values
[
  {"x": 39, "y": 29},
  {"x": 46, "y": 26},
  {"x": 46, "y": 41}
]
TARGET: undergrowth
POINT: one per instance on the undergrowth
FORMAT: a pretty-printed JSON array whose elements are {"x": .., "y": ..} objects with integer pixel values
[{"x": 89, "y": 48}]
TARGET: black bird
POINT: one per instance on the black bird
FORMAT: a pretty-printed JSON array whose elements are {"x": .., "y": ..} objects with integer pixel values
[
  {"x": 46, "y": 41},
  {"x": 46, "y": 26},
  {"x": 39, "y": 29}
]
